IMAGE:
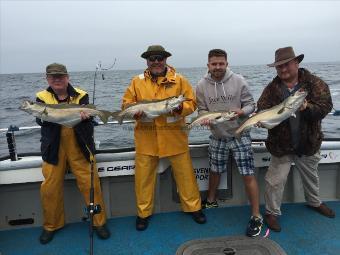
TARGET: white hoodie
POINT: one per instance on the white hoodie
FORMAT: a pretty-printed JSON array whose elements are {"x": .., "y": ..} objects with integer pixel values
[{"x": 231, "y": 93}]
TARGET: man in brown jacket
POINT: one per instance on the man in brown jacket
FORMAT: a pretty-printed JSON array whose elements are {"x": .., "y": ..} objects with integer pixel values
[{"x": 298, "y": 139}]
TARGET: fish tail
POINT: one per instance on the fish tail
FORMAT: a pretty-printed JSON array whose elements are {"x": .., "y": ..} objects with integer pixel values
[
  {"x": 104, "y": 116},
  {"x": 117, "y": 116},
  {"x": 120, "y": 119}
]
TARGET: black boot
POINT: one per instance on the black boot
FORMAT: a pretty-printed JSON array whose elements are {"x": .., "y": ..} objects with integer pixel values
[
  {"x": 102, "y": 232},
  {"x": 199, "y": 217},
  {"x": 141, "y": 223},
  {"x": 46, "y": 236}
]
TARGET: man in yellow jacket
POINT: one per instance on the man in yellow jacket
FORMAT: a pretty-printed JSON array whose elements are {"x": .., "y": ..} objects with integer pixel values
[
  {"x": 61, "y": 145},
  {"x": 162, "y": 137}
]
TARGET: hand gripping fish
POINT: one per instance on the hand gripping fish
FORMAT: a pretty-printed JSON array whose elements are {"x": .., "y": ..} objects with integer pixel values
[
  {"x": 274, "y": 116},
  {"x": 64, "y": 114},
  {"x": 151, "y": 109},
  {"x": 213, "y": 117}
]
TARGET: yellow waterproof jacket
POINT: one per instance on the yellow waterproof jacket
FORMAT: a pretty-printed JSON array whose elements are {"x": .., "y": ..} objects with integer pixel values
[
  {"x": 165, "y": 135},
  {"x": 50, "y": 132}
]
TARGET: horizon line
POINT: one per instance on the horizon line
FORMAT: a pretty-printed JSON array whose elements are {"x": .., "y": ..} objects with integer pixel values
[{"x": 138, "y": 69}]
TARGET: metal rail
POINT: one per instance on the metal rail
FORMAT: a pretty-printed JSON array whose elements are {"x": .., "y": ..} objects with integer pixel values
[
  {"x": 100, "y": 123},
  {"x": 96, "y": 123}
]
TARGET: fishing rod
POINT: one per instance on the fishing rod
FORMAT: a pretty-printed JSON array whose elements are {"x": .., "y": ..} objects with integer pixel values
[{"x": 99, "y": 68}]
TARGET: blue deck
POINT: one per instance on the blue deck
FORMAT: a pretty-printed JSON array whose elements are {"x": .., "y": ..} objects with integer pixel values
[{"x": 303, "y": 232}]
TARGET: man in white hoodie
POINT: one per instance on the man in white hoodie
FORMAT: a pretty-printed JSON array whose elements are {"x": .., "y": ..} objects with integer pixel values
[{"x": 222, "y": 90}]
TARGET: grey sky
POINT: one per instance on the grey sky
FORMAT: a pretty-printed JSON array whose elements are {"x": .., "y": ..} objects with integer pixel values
[{"x": 80, "y": 33}]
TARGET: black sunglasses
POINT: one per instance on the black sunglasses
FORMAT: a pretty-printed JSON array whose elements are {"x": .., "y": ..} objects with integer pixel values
[{"x": 153, "y": 58}]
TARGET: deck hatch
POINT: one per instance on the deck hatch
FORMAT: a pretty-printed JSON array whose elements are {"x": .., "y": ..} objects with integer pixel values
[{"x": 235, "y": 245}]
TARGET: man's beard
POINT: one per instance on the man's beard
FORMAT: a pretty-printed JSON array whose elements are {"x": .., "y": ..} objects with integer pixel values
[{"x": 218, "y": 74}]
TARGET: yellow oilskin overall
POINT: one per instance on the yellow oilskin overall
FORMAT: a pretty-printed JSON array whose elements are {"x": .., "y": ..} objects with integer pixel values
[
  {"x": 164, "y": 137},
  {"x": 52, "y": 191}
]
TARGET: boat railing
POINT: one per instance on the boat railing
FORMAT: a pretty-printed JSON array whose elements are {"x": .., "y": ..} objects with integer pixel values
[
  {"x": 13, "y": 155},
  {"x": 10, "y": 136}
]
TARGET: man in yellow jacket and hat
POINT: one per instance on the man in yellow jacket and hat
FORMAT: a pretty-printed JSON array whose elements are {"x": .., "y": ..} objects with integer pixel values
[
  {"x": 60, "y": 146},
  {"x": 162, "y": 137}
]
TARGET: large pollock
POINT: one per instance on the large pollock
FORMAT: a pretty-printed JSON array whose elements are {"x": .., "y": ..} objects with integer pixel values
[
  {"x": 64, "y": 114},
  {"x": 272, "y": 117}
]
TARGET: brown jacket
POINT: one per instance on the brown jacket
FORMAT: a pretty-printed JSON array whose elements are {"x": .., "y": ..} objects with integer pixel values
[{"x": 319, "y": 105}]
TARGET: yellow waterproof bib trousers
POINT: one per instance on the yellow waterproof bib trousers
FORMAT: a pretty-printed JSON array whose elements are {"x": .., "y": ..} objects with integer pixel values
[
  {"x": 52, "y": 191},
  {"x": 145, "y": 180}
]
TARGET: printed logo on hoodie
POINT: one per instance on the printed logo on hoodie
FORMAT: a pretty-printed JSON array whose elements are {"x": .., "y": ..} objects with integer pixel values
[{"x": 224, "y": 99}]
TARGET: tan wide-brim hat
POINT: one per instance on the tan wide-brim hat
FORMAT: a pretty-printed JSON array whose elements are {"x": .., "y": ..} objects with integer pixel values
[
  {"x": 155, "y": 50},
  {"x": 284, "y": 55}
]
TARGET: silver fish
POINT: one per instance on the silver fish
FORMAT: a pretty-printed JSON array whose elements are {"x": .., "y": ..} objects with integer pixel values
[
  {"x": 214, "y": 117},
  {"x": 64, "y": 114},
  {"x": 274, "y": 116},
  {"x": 151, "y": 109}
]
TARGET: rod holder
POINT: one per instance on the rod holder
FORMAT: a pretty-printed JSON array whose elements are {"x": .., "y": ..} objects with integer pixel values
[{"x": 12, "y": 148}]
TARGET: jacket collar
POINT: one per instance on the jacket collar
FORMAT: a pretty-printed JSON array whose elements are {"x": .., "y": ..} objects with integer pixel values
[
  {"x": 170, "y": 76},
  {"x": 70, "y": 91}
]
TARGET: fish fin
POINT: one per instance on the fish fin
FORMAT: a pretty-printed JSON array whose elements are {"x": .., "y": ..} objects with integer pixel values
[
  {"x": 120, "y": 119},
  {"x": 104, "y": 115},
  {"x": 90, "y": 106},
  {"x": 281, "y": 110},
  {"x": 115, "y": 114},
  {"x": 124, "y": 116},
  {"x": 44, "y": 112},
  {"x": 151, "y": 116},
  {"x": 68, "y": 106},
  {"x": 268, "y": 125}
]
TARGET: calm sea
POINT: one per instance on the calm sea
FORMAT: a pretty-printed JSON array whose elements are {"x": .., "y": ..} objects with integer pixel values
[{"x": 18, "y": 87}]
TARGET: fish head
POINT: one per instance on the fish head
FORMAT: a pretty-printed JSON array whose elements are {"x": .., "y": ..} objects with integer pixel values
[
  {"x": 296, "y": 100},
  {"x": 228, "y": 115},
  {"x": 174, "y": 102}
]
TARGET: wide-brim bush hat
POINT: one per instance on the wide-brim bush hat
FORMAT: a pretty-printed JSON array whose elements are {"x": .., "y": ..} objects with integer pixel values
[
  {"x": 155, "y": 50},
  {"x": 284, "y": 55}
]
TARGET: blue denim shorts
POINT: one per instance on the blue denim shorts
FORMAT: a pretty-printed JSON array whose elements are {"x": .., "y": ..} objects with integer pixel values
[{"x": 241, "y": 150}]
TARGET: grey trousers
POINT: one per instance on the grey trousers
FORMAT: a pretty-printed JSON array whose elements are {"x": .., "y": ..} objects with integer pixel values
[{"x": 276, "y": 178}]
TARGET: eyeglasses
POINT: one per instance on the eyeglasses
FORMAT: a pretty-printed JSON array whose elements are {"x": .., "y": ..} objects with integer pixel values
[{"x": 153, "y": 58}]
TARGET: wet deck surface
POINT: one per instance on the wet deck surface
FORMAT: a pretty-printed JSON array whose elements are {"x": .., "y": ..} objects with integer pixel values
[{"x": 303, "y": 232}]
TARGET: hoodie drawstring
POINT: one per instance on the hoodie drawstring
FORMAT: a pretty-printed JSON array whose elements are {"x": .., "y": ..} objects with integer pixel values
[
  {"x": 222, "y": 84},
  {"x": 225, "y": 95},
  {"x": 215, "y": 90}
]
